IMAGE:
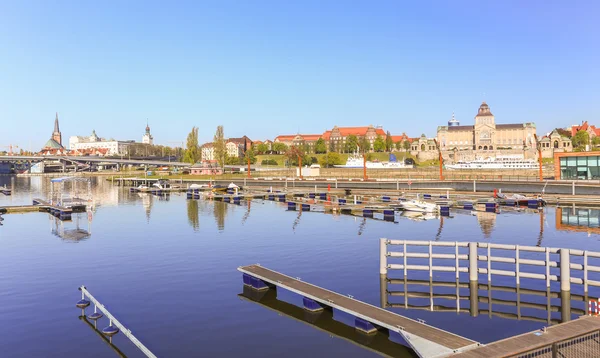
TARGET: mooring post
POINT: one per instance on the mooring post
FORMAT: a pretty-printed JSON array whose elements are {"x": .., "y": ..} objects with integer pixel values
[
  {"x": 383, "y": 290},
  {"x": 474, "y": 186},
  {"x": 565, "y": 270},
  {"x": 397, "y": 184},
  {"x": 573, "y": 190},
  {"x": 565, "y": 305},
  {"x": 473, "y": 275},
  {"x": 474, "y": 298},
  {"x": 383, "y": 256}
]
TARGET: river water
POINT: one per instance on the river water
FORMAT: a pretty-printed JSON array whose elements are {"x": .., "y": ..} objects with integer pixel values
[{"x": 166, "y": 268}]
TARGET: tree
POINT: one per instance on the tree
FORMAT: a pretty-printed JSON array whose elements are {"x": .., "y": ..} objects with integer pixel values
[
  {"x": 596, "y": 141},
  {"x": 581, "y": 139},
  {"x": 398, "y": 145},
  {"x": 262, "y": 148},
  {"x": 406, "y": 145},
  {"x": 192, "y": 153},
  {"x": 389, "y": 143},
  {"x": 379, "y": 144},
  {"x": 249, "y": 153},
  {"x": 332, "y": 158},
  {"x": 365, "y": 145},
  {"x": 320, "y": 146},
  {"x": 332, "y": 145},
  {"x": 279, "y": 147},
  {"x": 351, "y": 143},
  {"x": 219, "y": 146},
  {"x": 295, "y": 152}
]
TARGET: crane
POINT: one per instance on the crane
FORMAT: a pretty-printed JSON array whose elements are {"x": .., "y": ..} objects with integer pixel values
[{"x": 10, "y": 148}]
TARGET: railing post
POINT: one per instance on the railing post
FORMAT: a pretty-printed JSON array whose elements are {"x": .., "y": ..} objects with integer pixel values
[
  {"x": 383, "y": 256},
  {"x": 517, "y": 269},
  {"x": 474, "y": 186},
  {"x": 585, "y": 271},
  {"x": 473, "y": 274},
  {"x": 457, "y": 268},
  {"x": 430, "y": 260},
  {"x": 565, "y": 270}
]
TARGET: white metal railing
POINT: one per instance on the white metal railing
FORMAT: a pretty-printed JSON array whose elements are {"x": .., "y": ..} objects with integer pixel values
[
  {"x": 113, "y": 320},
  {"x": 473, "y": 258}
]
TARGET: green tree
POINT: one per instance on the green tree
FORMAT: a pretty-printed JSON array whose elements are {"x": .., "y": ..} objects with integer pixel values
[
  {"x": 581, "y": 139},
  {"x": 596, "y": 141},
  {"x": 406, "y": 145},
  {"x": 262, "y": 148},
  {"x": 320, "y": 146},
  {"x": 351, "y": 143},
  {"x": 306, "y": 148},
  {"x": 279, "y": 147},
  {"x": 249, "y": 154},
  {"x": 294, "y": 153},
  {"x": 330, "y": 159},
  {"x": 219, "y": 146},
  {"x": 192, "y": 153},
  {"x": 379, "y": 144},
  {"x": 389, "y": 143},
  {"x": 365, "y": 145}
]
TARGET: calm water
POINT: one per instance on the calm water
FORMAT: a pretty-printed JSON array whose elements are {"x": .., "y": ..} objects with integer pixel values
[{"x": 166, "y": 268}]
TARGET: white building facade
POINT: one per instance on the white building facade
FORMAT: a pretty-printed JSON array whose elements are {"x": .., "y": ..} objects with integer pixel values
[
  {"x": 114, "y": 147},
  {"x": 147, "y": 137},
  {"x": 208, "y": 152}
]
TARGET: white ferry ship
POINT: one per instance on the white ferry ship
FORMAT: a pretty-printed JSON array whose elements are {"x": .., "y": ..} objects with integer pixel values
[
  {"x": 500, "y": 162},
  {"x": 356, "y": 161}
]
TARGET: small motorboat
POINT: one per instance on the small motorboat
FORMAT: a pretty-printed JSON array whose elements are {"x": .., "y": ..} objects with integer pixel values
[
  {"x": 162, "y": 184},
  {"x": 519, "y": 200},
  {"x": 418, "y": 206}
]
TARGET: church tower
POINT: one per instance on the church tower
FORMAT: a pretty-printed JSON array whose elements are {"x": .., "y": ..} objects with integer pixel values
[
  {"x": 56, "y": 135},
  {"x": 147, "y": 137}
]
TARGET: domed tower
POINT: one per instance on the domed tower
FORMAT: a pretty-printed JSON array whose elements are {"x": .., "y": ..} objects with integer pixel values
[
  {"x": 147, "y": 137},
  {"x": 484, "y": 115},
  {"x": 453, "y": 122}
]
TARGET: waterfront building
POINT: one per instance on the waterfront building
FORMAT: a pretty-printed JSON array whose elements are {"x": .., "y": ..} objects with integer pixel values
[
  {"x": 114, "y": 147},
  {"x": 299, "y": 140},
  {"x": 590, "y": 129},
  {"x": 554, "y": 142},
  {"x": 206, "y": 167},
  {"x": 337, "y": 137},
  {"x": 577, "y": 165},
  {"x": 243, "y": 142},
  {"x": 147, "y": 137},
  {"x": 234, "y": 150},
  {"x": 208, "y": 151},
  {"x": 485, "y": 135}
]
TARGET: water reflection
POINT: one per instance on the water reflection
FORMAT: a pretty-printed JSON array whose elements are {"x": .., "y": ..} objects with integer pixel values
[
  {"x": 71, "y": 230},
  {"x": 578, "y": 220},
  {"x": 476, "y": 299},
  {"x": 193, "y": 214},
  {"x": 108, "y": 341},
  {"x": 220, "y": 212},
  {"x": 323, "y": 321}
]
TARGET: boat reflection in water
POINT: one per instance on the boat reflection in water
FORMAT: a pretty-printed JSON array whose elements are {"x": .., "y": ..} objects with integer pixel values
[
  {"x": 378, "y": 342},
  {"x": 578, "y": 220}
]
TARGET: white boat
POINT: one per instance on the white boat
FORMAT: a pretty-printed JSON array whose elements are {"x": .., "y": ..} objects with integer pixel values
[
  {"x": 418, "y": 206},
  {"x": 417, "y": 216},
  {"x": 357, "y": 161},
  {"x": 162, "y": 184},
  {"x": 199, "y": 186},
  {"x": 499, "y": 162}
]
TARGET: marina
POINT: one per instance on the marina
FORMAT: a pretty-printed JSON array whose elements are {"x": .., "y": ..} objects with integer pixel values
[{"x": 529, "y": 300}]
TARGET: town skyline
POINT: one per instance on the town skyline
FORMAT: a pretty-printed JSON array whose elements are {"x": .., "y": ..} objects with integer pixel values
[{"x": 276, "y": 68}]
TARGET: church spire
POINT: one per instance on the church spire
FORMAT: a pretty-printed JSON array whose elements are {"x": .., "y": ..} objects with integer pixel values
[{"x": 56, "y": 130}]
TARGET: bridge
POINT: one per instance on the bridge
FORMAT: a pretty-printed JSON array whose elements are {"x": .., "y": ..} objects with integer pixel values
[{"x": 87, "y": 161}]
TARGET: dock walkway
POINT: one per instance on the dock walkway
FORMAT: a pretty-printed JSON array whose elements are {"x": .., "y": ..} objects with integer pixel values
[
  {"x": 426, "y": 340},
  {"x": 574, "y": 339}
]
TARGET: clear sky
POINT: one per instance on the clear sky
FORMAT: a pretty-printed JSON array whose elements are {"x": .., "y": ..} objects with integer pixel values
[{"x": 264, "y": 68}]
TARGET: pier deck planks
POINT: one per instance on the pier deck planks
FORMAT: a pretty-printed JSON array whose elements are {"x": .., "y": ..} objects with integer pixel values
[
  {"x": 373, "y": 314},
  {"x": 530, "y": 341}
]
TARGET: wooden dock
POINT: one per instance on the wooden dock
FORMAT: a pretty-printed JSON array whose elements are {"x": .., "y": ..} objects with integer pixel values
[
  {"x": 39, "y": 205},
  {"x": 573, "y": 339},
  {"x": 426, "y": 340}
]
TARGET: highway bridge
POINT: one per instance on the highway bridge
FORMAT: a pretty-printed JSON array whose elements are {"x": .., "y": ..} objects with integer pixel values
[{"x": 89, "y": 160}]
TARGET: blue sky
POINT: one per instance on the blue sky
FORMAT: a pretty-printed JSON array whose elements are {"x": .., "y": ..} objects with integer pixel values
[{"x": 264, "y": 68}]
